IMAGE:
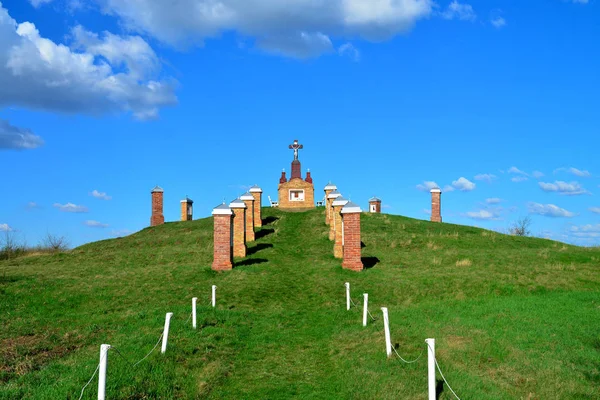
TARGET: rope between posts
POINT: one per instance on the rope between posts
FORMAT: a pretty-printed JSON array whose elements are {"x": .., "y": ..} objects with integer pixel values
[
  {"x": 371, "y": 315},
  {"x": 408, "y": 362},
  {"x": 441, "y": 374},
  {"x": 146, "y": 356},
  {"x": 95, "y": 372}
]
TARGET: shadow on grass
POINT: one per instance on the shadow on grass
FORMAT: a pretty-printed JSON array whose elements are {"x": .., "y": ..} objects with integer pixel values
[
  {"x": 257, "y": 248},
  {"x": 269, "y": 220},
  {"x": 263, "y": 232},
  {"x": 251, "y": 261},
  {"x": 362, "y": 245},
  {"x": 369, "y": 262},
  {"x": 439, "y": 388}
]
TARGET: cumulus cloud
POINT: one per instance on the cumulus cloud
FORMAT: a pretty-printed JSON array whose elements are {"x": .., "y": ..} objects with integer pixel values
[
  {"x": 515, "y": 170},
  {"x": 549, "y": 210},
  {"x": 498, "y": 22},
  {"x": 519, "y": 178},
  {"x": 12, "y": 137},
  {"x": 348, "y": 50},
  {"x": 296, "y": 28},
  {"x": 570, "y": 189},
  {"x": 5, "y": 228},
  {"x": 70, "y": 207},
  {"x": 427, "y": 186},
  {"x": 485, "y": 177},
  {"x": 463, "y": 184},
  {"x": 585, "y": 231},
  {"x": 456, "y": 10},
  {"x": 100, "y": 195},
  {"x": 493, "y": 200},
  {"x": 574, "y": 171},
  {"x": 486, "y": 215},
  {"x": 595, "y": 210},
  {"x": 94, "y": 224},
  {"x": 537, "y": 174},
  {"x": 97, "y": 75}
]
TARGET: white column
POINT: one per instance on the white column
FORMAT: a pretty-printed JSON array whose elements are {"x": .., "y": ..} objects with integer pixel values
[
  {"x": 194, "y": 301},
  {"x": 214, "y": 295},
  {"x": 347, "y": 284},
  {"x": 102, "y": 371},
  {"x": 431, "y": 367},
  {"x": 166, "y": 332},
  {"x": 365, "y": 308},
  {"x": 386, "y": 330}
]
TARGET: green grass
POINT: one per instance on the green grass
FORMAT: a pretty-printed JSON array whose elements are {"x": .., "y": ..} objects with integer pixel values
[{"x": 513, "y": 318}]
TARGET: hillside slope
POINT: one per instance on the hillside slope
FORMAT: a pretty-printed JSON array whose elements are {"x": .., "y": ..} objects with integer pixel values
[{"x": 513, "y": 317}]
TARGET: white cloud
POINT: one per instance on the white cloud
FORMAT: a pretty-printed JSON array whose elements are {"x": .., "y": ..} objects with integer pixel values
[
  {"x": 70, "y": 207},
  {"x": 488, "y": 215},
  {"x": 110, "y": 74},
  {"x": 348, "y": 50},
  {"x": 581, "y": 1},
  {"x": 537, "y": 174},
  {"x": 595, "y": 210},
  {"x": 519, "y": 179},
  {"x": 574, "y": 171},
  {"x": 549, "y": 210},
  {"x": 427, "y": 186},
  {"x": 94, "y": 224},
  {"x": 5, "y": 228},
  {"x": 585, "y": 231},
  {"x": 448, "y": 188},
  {"x": 460, "y": 11},
  {"x": 498, "y": 22},
  {"x": 296, "y": 28},
  {"x": 485, "y": 177},
  {"x": 463, "y": 184},
  {"x": 570, "y": 189},
  {"x": 493, "y": 200},
  {"x": 515, "y": 170},
  {"x": 32, "y": 205},
  {"x": 12, "y": 137},
  {"x": 100, "y": 195}
]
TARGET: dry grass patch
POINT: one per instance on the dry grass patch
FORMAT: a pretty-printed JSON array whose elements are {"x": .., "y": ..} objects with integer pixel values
[{"x": 464, "y": 263}]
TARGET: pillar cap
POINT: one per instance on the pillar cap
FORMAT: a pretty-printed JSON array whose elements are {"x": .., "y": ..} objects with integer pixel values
[
  {"x": 334, "y": 195},
  {"x": 255, "y": 189},
  {"x": 330, "y": 186},
  {"x": 237, "y": 203},
  {"x": 187, "y": 200},
  {"x": 350, "y": 208},
  {"x": 157, "y": 189},
  {"x": 374, "y": 200},
  {"x": 222, "y": 209},
  {"x": 436, "y": 190},
  {"x": 247, "y": 196},
  {"x": 340, "y": 201}
]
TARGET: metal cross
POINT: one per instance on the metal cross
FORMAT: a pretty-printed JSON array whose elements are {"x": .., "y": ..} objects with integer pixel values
[{"x": 296, "y": 146}]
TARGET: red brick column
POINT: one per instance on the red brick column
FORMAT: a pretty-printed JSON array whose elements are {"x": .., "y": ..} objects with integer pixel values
[
  {"x": 157, "y": 217},
  {"x": 248, "y": 200},
  {"x": 330, "y": 198},
  {"x": 222, "y": 256},
  {"x": 338, "y": 249},
  {"x": 186, "y": 204},
  {"x": 257, "y": 193},
  {"x": 239, "y": 227},
  {"x": 436, "y": 205},
  {"x": 330, "y": 187},
  {"x": 374, "y": 205},
  {"x": 351, "y": 237}
]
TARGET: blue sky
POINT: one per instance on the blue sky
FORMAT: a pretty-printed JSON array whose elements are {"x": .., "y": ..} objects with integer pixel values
[{"x": 495, "y": 101}]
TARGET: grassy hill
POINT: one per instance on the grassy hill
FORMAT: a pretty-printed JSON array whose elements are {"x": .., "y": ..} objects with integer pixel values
[{"x": 513, "y": 318}]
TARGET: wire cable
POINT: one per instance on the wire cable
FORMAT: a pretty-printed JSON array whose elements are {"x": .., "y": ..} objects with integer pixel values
[
  {"x": 442, "y": 375},
  {"x": 408, "y": 362},
  {"x": 95, "y": 372}
]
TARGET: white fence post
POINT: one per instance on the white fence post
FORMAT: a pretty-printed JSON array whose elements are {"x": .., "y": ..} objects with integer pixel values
[
  {"x": 214, "y": 295},
  {"x": 386, "y": 330},
  {"x": 102, "y": 371},
  {"x": 194, "y": 300},
  {"x": 347, "y": 284},
  {"x": 431, "y": 367},
  {"x": 166, "y": 332},
  {"x": 365, "y": 308}
]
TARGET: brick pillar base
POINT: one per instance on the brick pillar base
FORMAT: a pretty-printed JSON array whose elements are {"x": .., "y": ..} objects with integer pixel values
[
  {"x": 248, "y": 200},
  {"x": 157, "y": 217},
  {"x": 338, "y": 249},
  {"x": 352, "y": 244},
  {"x": 257, "y": 194},
  {"x": 436, "y": 205},
  {"x": 222, "y": 257},
  {"x": 239, "y": 227}
]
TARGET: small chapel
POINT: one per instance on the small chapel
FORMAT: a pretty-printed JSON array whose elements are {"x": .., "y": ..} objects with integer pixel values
[{"x": 296, "y": 193}]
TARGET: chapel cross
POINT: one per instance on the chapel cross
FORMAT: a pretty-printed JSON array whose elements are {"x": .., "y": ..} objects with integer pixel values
[{"x": 296, "y": 146}]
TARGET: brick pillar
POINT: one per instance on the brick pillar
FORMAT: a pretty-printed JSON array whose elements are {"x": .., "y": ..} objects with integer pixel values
[
  {"x": 257, "y": 193},
  {"x": 331, "y": 197},
  {"x": 283, "y": 179},
  {"x": 157, "y": 217},
  {"x": 351, "y": 237},
  {"x": 222, "y": 257},
  {"x": 248, "y": 200},
  {"x": 374, "y": 205},
  {"x": 309, "y": 178},
  {"x": 330, "y": 187},
  {"x": 436, "y": 205},
  {"x": 337, "y": 205},
  {"x": 238, "y": 207},
  {"x": 296, "y": 170},
  {"x": 186, "y": 209}
]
